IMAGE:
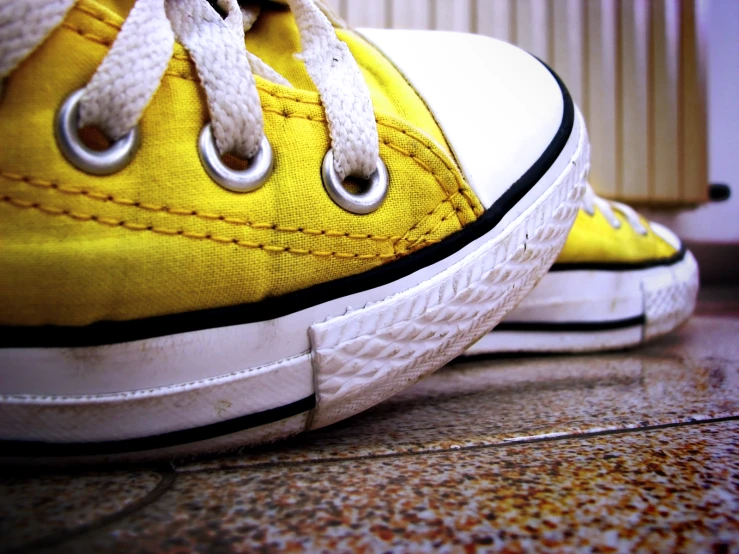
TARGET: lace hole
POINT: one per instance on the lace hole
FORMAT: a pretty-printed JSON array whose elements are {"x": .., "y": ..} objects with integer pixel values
[
  {"x": 234, "y": 162},
  {"x": 359, "y": 196},
  {"x": 88, "y": 149},
  {"x": 233, "y": 173},
  {"x": 94, "y": 138}
]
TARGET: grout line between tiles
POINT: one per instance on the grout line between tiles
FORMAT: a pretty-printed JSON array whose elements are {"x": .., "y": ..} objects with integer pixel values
[
  {"x": 503, "y": 444},
  {"x": 168, "y": 478}
]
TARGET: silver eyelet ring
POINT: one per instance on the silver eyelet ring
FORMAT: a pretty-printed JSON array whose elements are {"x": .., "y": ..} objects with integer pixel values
[
  {"x": 104, "y": 162},
  {"x": 251, "y": 178},
  {"x": 363, "y": 203}
]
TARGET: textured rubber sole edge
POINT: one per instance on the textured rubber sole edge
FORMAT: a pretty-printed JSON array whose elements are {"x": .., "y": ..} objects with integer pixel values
[
  {"x": 668, "y": 297},
  {"x": 669, "y": 302}
]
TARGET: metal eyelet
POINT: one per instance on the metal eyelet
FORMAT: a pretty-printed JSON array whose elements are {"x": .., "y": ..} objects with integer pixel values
[
  {"x": 103, "y": 162},
  {"x": 366, "y": 202},
  {"x": 236, "y": 180}
]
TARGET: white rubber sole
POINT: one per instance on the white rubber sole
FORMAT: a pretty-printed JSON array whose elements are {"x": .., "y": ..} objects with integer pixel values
[
  {"x": 594, "y": 310},
  {"x": 189, "y": 393}
]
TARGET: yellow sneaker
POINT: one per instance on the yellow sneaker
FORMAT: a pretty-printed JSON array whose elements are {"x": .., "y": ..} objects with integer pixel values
[
  {"x": 619, "y": 281},
  {"x": 206, "y": 246}
]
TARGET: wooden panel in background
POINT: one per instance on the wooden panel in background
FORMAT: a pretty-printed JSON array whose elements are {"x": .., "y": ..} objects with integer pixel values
[
  {"x": 497, "y": 18},
  {"x": 636, "y": 68},
  {"x": 532, "y": 27},
  {"x": 664, "y": 175},
  {"x": 602, "y": 85},
  {"x": 692, "y": 93},
  {"x": 366, "y": 14},
  {"x": 453, "y": 15},
  {"x": 634, "y": 90},
  {"x": 568, "y": 54},
  {"x": 411, "y": 14}
]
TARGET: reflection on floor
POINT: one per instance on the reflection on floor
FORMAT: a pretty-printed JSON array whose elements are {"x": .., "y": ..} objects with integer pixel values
[{"x": 615, "y": 452}]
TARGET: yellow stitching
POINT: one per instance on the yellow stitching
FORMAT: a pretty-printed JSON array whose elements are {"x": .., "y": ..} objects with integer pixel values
[
  {"x": 282, "y": 113},
  {"x": 113, "y": 24},
  {"x": 98, "y": 17},
  {"x": 51, "y": 210},
  {"x": 470, "y": 203},
  {"x": 429, "y": 214},
  {"x": 189, "y": 213},
  {"x": 414, "y": 136},
  {"x": 89, "y": 36},
  {"x": 286, "y": 115},
  {"x": 108, "y": 42},
  {"x": 288, "y": 97},
  {"x": 259, "y": 226},
  {"x": 418, "y": 138},
  {"x": 417, "y": 161},
  {"x": 431, "y": 148},
  {"x": 455, "y": 211}
]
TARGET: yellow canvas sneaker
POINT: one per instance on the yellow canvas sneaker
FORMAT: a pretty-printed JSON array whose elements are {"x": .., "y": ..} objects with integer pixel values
[
  {"x": 619, "y": 281},
  {"x": 210, "y": 241}
]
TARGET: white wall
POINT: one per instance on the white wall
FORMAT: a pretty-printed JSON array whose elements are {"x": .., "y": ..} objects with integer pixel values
[{"x": 718, "y": 222}]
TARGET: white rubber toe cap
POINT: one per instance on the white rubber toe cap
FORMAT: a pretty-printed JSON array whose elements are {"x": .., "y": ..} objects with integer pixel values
[{"x": 497, "y": 105}]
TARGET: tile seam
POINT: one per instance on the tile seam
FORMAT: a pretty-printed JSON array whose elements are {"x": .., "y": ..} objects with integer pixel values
[{"x": 430, "y": 452}]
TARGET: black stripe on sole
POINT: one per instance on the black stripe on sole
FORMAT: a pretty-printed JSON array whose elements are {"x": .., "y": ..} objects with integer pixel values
[
  {"x": 16, "y": 448},
  {"x": 112, "y": 332},
  {"x": 572, "y": 326},
  {"x": 677, "y": 257}
]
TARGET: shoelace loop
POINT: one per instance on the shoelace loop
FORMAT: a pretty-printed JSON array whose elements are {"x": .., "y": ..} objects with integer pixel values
[{"x": 591, "y": 201}]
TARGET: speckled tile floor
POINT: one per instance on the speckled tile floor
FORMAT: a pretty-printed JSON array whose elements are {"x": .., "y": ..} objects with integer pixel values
[{"x": 635, "y": 451}]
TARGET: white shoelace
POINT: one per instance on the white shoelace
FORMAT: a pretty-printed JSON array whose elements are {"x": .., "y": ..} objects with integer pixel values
[
  {"x": 129, "y": 75},
  {"x": 591, "y": 201}
]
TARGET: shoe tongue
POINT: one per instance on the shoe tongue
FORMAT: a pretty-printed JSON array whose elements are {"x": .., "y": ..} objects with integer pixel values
[{"x": 275, "y": 39}]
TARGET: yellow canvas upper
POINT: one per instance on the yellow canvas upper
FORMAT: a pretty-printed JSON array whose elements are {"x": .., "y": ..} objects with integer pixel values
[
  {"x": 160, "y": 236},
  {"x": 593, "y": 239}
]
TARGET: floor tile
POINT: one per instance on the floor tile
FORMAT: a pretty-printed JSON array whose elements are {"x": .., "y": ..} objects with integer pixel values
[
  {"x": 650, "y": 490},
  {"x": 37, "y": 509}
]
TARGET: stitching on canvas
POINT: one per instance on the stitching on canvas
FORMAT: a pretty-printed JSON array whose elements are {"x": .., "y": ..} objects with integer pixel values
[{"x": 218, "y": 239}]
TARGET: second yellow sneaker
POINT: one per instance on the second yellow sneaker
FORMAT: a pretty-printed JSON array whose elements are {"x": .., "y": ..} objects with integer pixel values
[
  {"x": 206, "y": 245},
  {"x": 619, "y": 281}
]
